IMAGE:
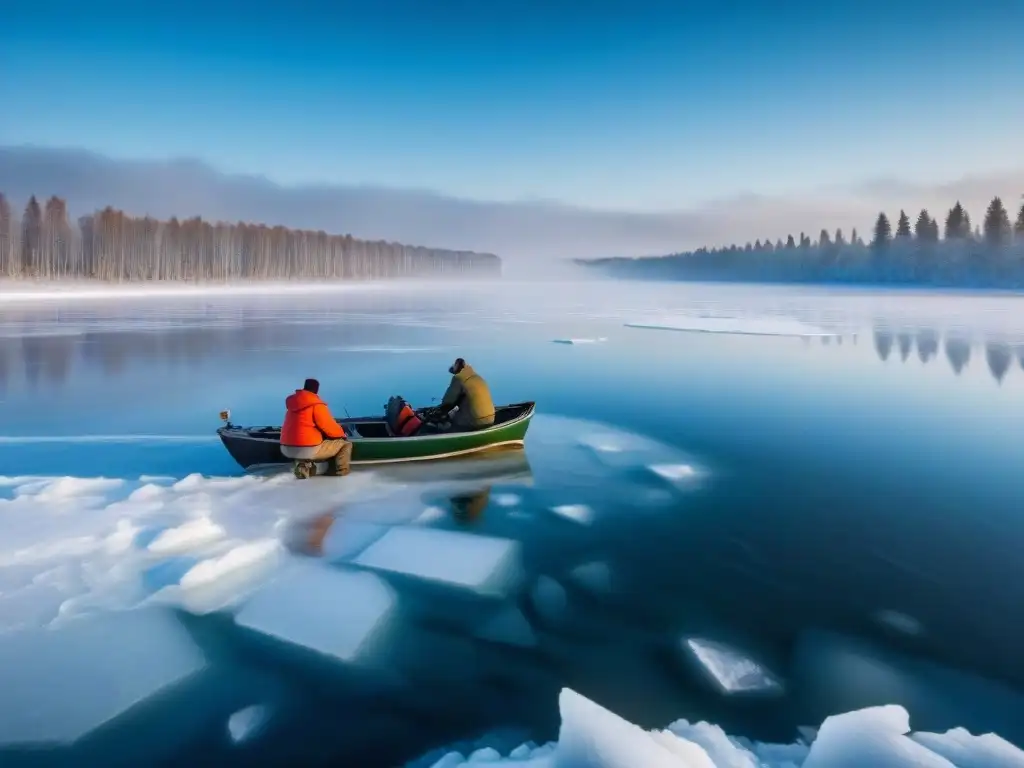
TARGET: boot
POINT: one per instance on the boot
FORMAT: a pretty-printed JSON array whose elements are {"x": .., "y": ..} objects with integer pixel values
[
  {"x": 337, "y": 469},
  {"x": 304, "y": 469}
]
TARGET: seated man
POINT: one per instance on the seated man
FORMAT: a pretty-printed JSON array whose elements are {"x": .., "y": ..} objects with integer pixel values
[
  {"x": 470, "y": 393},
  {"x": 310, "y": 433}
]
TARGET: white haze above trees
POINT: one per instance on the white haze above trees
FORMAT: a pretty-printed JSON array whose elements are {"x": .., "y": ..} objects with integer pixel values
[
  {"x": 526, "y": 235},
  {"x": 987, "y": 256}
]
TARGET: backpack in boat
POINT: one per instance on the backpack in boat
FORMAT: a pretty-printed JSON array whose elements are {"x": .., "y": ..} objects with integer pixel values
[{"x": 400, "y": 418}]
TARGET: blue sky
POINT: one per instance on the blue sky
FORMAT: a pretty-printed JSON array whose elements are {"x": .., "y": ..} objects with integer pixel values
[{"x": 635, "y": 106}]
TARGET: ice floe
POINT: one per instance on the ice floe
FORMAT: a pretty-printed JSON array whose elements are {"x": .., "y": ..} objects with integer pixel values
[
  {"x": 731, "y": 671},
  {"x": 876, "y": 737},
  {"x": 44, "y": 674},
  {"x": 483, "y": 564},
  {"x": 578, "y": 513},
  {"x": 575, "y": 342},
  {"x": 674, "y": 472},
  {"x": 335, "y": 613}
]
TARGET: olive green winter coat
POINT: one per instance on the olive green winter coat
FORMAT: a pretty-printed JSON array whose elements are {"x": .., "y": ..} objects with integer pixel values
[{"x": 471, "y": 394}]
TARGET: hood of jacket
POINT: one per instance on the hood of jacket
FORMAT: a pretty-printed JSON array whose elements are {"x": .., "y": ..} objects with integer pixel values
[
  {"x": 467, "y": 372},
  {"x": 300, "y": 400}
]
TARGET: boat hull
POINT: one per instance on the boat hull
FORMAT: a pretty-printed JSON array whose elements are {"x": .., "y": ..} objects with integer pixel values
[{"x": 258, "y": 447}]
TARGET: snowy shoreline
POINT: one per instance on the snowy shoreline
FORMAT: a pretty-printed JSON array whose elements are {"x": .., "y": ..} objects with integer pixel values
[{"x": 77, "y": 290}]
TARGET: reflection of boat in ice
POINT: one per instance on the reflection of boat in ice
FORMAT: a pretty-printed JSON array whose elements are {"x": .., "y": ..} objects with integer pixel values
[
  {"x": 462, "y": 487},
  {"x": 507, "y": 464},
  {"x": 373, "y": 442}
]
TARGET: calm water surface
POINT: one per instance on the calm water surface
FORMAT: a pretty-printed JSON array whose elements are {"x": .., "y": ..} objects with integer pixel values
[{"x": 852, "y": 524}]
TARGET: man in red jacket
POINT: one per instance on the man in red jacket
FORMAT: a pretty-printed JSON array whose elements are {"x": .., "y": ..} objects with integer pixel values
[{"x": 311, "y": 434}]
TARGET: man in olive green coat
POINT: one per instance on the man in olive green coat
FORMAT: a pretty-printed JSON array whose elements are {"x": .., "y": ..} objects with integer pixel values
[{"x": 471, "y": 394}]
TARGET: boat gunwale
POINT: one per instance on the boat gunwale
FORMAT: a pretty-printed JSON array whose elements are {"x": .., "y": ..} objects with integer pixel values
[{"x": 244, "y": 432}]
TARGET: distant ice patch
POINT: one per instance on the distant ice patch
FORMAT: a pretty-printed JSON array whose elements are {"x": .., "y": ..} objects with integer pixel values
[
  {"x": 742, "y": 325},
  {"x": 575, "y": 342}
]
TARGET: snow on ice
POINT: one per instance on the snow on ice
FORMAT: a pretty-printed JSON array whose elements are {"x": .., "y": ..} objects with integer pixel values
[{"x": 70, "y": 545}]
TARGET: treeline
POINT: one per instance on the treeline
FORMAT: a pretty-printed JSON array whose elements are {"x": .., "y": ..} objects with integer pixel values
[
  {"x": 110, "y": 245},
  {"x": 923, "y": 252}
]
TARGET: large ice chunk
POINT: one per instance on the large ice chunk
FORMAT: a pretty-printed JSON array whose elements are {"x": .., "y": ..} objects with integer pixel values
[
  {"x": 339, "y": 614},
  {"x": 965, "y": 750},
  {"x": 590, "y": 735},
  {"x": 484, "y": 564},
  {"x": 873, "y": 736},
  {"x": 57, "y": 686},
  {"x": 833, "y": 673}
]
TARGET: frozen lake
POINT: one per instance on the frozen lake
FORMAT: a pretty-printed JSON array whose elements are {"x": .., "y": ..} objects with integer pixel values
[{"x": 757, "y": 507}]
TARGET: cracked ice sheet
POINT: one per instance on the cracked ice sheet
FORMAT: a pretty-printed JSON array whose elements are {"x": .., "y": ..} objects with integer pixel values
[
  {"x": 70, "y": 545},
  {"x": 593, "y": 736}
]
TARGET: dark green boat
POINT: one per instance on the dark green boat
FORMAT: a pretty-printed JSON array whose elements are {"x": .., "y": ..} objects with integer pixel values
[{"x": 372, "y": 441}]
